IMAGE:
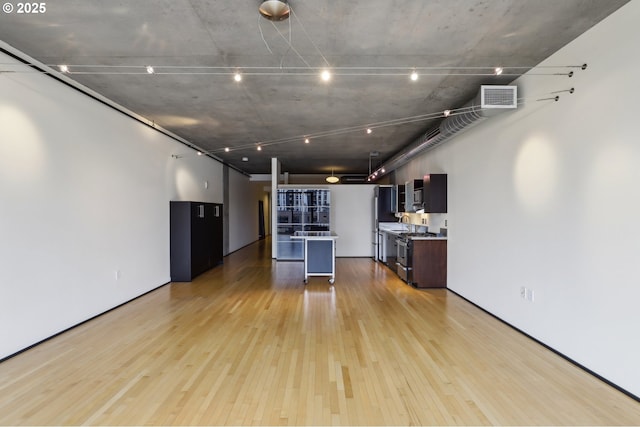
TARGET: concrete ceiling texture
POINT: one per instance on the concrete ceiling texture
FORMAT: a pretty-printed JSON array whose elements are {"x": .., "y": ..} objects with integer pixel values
[{"x": 369, "y": 46}]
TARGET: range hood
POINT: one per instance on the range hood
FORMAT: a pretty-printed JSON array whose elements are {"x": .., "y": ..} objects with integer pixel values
[{"x": 490, "y": 100}]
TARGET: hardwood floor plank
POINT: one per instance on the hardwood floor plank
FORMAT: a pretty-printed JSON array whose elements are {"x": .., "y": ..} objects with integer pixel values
[{"x": 248, "y": 344}]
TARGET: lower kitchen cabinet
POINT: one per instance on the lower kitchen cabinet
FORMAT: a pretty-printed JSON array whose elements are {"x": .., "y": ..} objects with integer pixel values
[{"x": 430, "y": 263}]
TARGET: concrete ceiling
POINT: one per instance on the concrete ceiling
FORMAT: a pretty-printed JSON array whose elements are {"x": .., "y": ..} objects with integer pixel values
[{"x": 196, "y": 45}]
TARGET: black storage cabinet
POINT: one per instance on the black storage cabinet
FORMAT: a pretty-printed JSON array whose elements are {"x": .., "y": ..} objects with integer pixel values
[
  {"x": 196, "y": 238},
  {"x": 434, "y": 193}
]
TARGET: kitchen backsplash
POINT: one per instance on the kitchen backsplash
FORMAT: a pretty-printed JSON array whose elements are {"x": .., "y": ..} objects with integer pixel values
[{"x": 434, "y": 221}]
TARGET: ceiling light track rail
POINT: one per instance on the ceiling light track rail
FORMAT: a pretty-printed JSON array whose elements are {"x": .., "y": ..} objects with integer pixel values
[
  {"x": 354, "y": 71},
  {"x": 40, "y": 68}
]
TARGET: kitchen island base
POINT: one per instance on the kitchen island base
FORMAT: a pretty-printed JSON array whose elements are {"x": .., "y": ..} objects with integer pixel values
[{"x": 319, "y": 254}]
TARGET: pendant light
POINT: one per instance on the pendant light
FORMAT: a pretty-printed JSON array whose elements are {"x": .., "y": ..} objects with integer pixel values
[
  {"x": 332, "y": 179},
  {"x": 275, "y": 10}
]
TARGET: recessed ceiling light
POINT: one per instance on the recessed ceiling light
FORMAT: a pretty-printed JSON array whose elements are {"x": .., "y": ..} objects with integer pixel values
[
  {"x": 306, "y": 140},
  {"x": 447, "y": 113},
  {"x": 199, "y": 153},
  {"x": 382, "y": 170},
  {"x": 245, "y": 159},
  {"x": 413, "y": 76},
  {"x": 259, "y": 148},
  {"x": 64, "y": 68},
  {"x": 325, "y": 75},
  {"x": 369, "y": 130},
  {"x": 237, "y": 77},
  {"x": 498, "y": 70},
  {"x": 150, "y": 69},
  {"x": 226, "y": 149}
]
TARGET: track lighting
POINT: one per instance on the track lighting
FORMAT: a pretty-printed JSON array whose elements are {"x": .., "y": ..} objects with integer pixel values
[
  {"x": 150, "y": 69},
  {"x": 325, "y": 75}
]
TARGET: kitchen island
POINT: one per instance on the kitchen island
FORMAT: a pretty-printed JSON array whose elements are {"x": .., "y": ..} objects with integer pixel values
[{"x": 319, "y": 253}]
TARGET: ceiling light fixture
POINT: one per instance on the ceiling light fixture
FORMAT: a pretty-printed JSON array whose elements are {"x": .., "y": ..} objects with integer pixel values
[
  {"x": 498, "y": 70},
  {"x": 447, "y": 113},
  {"x": 64, "y": 68},
  {"x": 325, "y": 75},
  {"x": 369, "y": 130},
  {"x": 259, "y": 148},
  {"x": 226, "y": 149},
  {"x": 199, "y": 153},
  {"x": 332, "y": 179},
  {"x": 275, "y": 10},
  {"x": 413, "y": 76},
  {"x": 306, "y": 140},
  {"x": 237, "y": 77},
  {"x": 150, "y": 69}
]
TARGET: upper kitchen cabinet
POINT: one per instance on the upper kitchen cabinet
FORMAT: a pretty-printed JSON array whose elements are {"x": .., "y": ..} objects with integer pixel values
[
  {"x": 400, "y": 198},
  {"x": 386, "y": 203},
  {"x": 434, "y": 193}
]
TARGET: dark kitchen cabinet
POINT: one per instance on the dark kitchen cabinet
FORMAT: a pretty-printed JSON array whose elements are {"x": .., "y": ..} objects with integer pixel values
[
  {"x": 430, "y": 263},
  {"x": 196, "y": 238},
  {"x": 400, "y": 198},
  {"x": 434, "y": 193},
  {"x": 386, "y": 205}
]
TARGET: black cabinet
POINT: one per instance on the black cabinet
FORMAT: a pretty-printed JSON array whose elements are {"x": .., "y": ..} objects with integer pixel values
[
  {"x": 400, "y": 198},
  {"x": 386, "y": 206},
  {"x": 434, "y": 193},
  {"x": 196, "y": 238}
]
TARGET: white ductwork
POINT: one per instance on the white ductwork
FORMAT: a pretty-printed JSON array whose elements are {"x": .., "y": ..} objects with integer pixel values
[{"x": 491, "y": 100}]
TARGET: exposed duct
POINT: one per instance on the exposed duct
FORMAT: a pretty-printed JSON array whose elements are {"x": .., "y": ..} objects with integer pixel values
[{"x": 491, "y": 100}]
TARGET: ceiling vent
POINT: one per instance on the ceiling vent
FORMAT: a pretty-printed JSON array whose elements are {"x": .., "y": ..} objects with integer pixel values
[
  {"x": 491, "y": 100},
  {"x": 353, "y": 179}
]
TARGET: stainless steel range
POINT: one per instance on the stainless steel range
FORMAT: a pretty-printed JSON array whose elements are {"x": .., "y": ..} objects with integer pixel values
[{"x": 404, "y": 260}]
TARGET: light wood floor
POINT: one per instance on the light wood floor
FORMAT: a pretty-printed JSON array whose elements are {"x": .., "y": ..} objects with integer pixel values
[{"x": 248, "y": 343}]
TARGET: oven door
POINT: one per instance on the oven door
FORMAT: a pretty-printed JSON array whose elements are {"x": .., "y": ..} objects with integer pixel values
[
  {"x": 403, "y": 262},
  {"x": 405, "y": 273},
  {"x": 402, "y": 251}
]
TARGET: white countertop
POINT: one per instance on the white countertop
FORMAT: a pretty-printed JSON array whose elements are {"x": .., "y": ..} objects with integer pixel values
[
  {"x": 315, "y": 235},
  {"x": 398, "y": 228}
]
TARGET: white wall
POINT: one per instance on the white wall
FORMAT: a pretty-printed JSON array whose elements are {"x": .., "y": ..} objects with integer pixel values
[
  {"x": 547, "y": 198},
  {"x": 84, "y": 192},
  {"x": 243, "y": 202},
  {"x": 352, "y": 219}
]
